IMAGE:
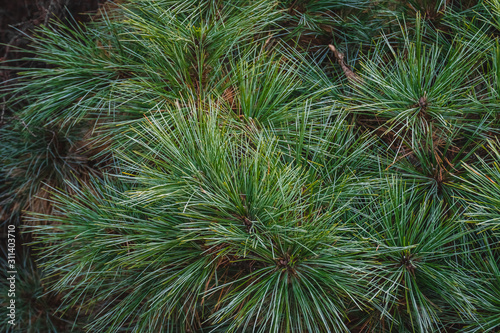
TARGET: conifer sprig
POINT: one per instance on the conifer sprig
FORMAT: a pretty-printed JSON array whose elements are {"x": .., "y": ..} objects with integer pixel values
[{"x": 260, "y": 166}]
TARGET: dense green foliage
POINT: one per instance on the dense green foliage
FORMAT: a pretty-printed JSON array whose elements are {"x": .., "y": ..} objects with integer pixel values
[{"x": 259, "y": 166}]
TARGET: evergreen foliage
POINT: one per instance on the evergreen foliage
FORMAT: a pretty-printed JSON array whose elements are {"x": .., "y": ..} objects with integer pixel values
[{"x": 258, "y": 166}]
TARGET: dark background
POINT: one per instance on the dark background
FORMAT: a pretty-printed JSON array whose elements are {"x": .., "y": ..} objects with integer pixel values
[{"x": 21, "y": 17}]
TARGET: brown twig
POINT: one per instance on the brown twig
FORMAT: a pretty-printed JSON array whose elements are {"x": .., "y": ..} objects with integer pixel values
[
  {"x": 351, "y": 76},
  {"x": 3, "y": 111},
  {"x": 25, "y": 126},
  {"x": 398, "y": 159}
]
